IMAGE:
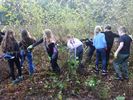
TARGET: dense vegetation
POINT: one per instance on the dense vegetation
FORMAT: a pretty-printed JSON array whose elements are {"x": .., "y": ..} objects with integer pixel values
[
  {"x": 77, "y": 17},
  {"x": 66, "y": 16}
]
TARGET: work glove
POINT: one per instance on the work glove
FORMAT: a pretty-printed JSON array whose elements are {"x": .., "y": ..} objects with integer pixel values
[
  {"x": 49, "y": 58},
  {"x": 115, "y": 54},
  {"x": 30, "y": 47}
]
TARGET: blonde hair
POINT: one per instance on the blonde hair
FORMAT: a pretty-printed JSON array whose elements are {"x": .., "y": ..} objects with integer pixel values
[
  {"x": 48, "y": 35},
  {"x": 70, "y": 36},
  {"x": 97, "y": 29}
]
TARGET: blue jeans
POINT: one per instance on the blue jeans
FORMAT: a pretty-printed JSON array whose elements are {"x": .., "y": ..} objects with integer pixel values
[
  {"x": 121, "y": 65},
  {"x": 101, "y": 53},
  {"x": 31, "y": 66}
]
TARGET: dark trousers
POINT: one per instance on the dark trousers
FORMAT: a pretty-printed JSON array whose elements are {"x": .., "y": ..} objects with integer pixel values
[
  {"x": 54, "y": 64},
  {"x": 11, "y": 63},
  {"x": 101, "y": 54},
  {"x": 108, "y": 54},
  {"x": 79, "y": 52},
  {"x": 121, "y": 65},
  {"x": 91, "y": 52}
]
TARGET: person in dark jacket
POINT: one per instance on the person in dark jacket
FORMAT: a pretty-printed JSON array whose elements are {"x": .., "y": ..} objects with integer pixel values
[
  {"x": 49, "y": 42},
  {"x": 26, "y": 41},
  {"x": 11, "y": 49},
  {"x": 109, "y": 37},
  {"x": 122, "y": 54}
]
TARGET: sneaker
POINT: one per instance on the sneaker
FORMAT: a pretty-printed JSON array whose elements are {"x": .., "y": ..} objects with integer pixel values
[
  {"x": 104, "y": 73},
  {"x": 15, "y": 81},
  {"x": 96, "y": 70},
  {"x": 20, "y": 78},
  {"x": 119, "y": 78},
  {"x": 126, "y": 78}
]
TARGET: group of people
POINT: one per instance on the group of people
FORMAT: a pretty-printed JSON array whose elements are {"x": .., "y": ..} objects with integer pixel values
[{"x": 102, "y": 42}]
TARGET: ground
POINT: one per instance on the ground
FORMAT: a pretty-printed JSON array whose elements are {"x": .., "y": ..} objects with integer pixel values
[{"x": 46, "y": 85}]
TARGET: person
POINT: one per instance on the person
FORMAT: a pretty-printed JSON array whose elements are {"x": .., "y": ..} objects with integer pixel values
[
  {"x": 26, "y": 41},
  {"x": 11, "y": 49},
  {"x": 1, "y": 36},
  {"x": 109, "y": 37},
  {"x": 75, "y": 46},
  {"x": 122, "y": 54},
  {"x": 100, "y": 44},
  {"x": 89, "y": 43},
  {"x": 49, "y": 42}
]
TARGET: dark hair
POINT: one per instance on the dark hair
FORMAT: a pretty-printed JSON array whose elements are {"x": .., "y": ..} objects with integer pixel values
[
  {"x": 8, "y": 41},
  {"x": 108, "y": 27},
  {"x": 25, "y": 35}
]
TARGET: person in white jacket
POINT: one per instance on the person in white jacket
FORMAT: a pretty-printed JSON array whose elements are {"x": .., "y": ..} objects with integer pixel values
[{"x": 75, "y": 46}]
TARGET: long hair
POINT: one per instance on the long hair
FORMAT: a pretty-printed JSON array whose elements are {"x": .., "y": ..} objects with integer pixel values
[
  {"x": 49, "y": 36},
  {"x": 25, "y": 35},
  {"x": 8, "y": 41}
]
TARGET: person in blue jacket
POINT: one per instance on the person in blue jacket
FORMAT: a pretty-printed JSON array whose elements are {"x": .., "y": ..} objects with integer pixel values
[{"x": 100, "y": 44}]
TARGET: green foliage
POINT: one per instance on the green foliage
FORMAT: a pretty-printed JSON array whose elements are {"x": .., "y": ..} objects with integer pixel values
[
  {"x": 120, "y": 98},
  {"x": 72, "y": 66},
  {"x": 92, "y": 82},
  {"x": 76, "y": 17}
]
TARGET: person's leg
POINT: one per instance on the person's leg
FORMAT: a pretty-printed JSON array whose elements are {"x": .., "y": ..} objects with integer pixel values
[
  {"x": 30, "y": 62},
  {"x": 108, "y": 55},
  {"x": 55, "y": 65},
  {"x": 17, "y": 62},
  {"x": 91, "y": 52},
  {"x": 116, "y": 65},
  {"x": 97, "y": 60},
  {"x": 11, "y": 67},
  {"x": 22, "y": 56},
  {"x": 79, "y": 53},
  {"x": 125, "y": 66},
  {"x": 103, "y": 56}
]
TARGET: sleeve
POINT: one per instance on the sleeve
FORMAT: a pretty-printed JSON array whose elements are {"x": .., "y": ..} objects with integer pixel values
[
  {"x": 69, "y": 45},
  {"x": 94, "y": 42},
  {"x": 104, "y": 40},
  {"x": 37, "y": 43},
  {"x": 20, "y": 44},
  {"x": 2, "y": 33},
  {"x": 16, "y": 47},
  {"x": 121, "y": 39},
  {"x": 115, "y": 35},
  {"x": 55, "y": 51}
]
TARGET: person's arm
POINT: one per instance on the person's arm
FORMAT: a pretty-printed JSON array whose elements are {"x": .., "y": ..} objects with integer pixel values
[
  {"x": 105, "y": 43},
  {"x": 115, "y": 35},
  {"x": 54, "y": 51},
  {"x": 2, "y": 33},
  {"x": 119, "y": 48},
  {"x": 20, "y": 44},
  {"x": 37, "y": 43}
]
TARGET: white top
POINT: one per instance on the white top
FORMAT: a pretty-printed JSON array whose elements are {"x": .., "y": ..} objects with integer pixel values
[{"x": 74, "y": 43}]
